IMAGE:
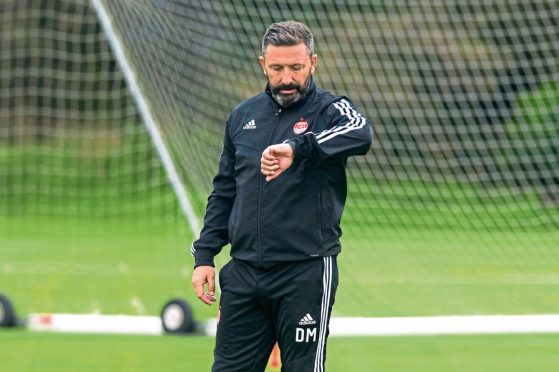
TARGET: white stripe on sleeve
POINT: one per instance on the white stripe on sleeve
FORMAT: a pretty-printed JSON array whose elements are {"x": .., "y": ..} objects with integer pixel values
[
  {"x": 355, "y": 121},
  {"x": 192, "y": 249}
]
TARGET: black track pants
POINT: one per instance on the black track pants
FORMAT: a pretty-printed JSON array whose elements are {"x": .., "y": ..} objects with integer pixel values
[{"x": 290, "y": 303}]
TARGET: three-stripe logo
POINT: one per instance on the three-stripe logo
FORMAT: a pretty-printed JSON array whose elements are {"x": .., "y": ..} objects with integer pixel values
[
  {"x": 307, "y": 319},
  {"x": 250, "y": 125}
]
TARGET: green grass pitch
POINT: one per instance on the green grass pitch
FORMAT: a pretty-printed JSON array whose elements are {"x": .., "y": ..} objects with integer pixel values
[
  {"x": 404, "y": 260},
  {"x": 22, "y": 351},
  {"x": 118, "y": 268}
]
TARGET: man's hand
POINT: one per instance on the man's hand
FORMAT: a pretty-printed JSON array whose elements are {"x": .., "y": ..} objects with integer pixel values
[
  {"x": 275, "y": 159},
  {"x": 201, "y": 276}
]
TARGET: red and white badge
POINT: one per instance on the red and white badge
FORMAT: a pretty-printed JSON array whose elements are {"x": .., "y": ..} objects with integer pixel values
[{"x": 301, "y": 126}]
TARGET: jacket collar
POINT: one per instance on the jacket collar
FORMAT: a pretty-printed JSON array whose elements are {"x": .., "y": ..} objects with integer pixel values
[{"x": 310, "y": 91}]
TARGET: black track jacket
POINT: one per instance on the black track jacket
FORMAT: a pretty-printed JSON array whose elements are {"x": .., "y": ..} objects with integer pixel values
[{"x": 297, "y": 215}]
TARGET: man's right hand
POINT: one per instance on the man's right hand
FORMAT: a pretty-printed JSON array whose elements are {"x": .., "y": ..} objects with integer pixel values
[
  {"x": 276, "y": 159},
  {"x": 201, "y": 276}
]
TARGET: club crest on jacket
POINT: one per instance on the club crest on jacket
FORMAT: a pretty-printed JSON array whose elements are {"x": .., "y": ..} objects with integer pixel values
[{"x": 301, "y": 126}]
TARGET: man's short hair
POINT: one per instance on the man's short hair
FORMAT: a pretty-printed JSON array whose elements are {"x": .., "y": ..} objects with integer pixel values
[{"x": 288, "y": 33}]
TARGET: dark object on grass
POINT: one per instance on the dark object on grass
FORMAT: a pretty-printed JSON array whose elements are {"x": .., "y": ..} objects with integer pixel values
[
  {"x": 176, "y": 317},
  {"x": 7, "y": 314}
]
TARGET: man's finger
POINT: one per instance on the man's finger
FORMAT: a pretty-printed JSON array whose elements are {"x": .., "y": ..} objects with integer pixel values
[
  {"x": 269, "y": 164},
  {"x": 204, "y": 297},
  {"x": 265, "y": 161},
  {"x": 267, "y": 155},
  {"x": 276, "y": 152},
  {"x": 273, "y": 175},
  {"x": 199, "y": 289},
  {"x": 280, "y": 150},
  {"x": 268, "y": 173},
  {"x": 211, "y": 285},
  {"x": 269, "y": 168},
  {"x": 207, "y": 299}
]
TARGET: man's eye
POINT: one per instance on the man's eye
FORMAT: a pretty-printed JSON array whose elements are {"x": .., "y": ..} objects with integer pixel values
[
  {"x": 277, "y": 68},
  {"x": 296, "y": 68}
]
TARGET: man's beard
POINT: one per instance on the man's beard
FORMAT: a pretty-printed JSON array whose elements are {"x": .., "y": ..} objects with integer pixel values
[{"x": 287, "y": 100}]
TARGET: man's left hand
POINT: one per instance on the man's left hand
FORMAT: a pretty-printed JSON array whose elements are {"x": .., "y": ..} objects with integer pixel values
[{"x": 275, "y": 159}]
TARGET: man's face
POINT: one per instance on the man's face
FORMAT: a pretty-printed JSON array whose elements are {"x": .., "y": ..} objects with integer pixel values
[{"x": 289, "y": 70}]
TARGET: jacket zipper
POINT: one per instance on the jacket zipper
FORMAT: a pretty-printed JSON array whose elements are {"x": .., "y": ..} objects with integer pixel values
[{"x": 261, "y": 185}]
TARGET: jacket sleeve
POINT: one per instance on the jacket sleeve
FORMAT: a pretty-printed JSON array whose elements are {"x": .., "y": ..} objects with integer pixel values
[
  {"x": 214, "y": 235},
  {"x": 348, "y": 133}
]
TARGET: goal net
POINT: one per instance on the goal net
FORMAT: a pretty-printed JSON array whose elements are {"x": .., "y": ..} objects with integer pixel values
[{"x": 454, "y": 211}]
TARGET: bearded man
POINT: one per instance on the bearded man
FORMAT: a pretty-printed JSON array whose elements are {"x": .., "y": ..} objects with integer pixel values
[{"x": 278, "y": 198}]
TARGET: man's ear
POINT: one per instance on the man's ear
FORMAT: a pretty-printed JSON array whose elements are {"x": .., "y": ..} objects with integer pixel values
[
  {"x": 263, "y": 64},
  {"x": 313, "y": 63}
]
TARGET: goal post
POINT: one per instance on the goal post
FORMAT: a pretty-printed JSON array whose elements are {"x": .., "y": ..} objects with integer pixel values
[{"x": 147, "y": 117}]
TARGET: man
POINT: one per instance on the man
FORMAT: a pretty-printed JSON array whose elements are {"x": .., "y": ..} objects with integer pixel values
[{"x": 278, "y": 198}]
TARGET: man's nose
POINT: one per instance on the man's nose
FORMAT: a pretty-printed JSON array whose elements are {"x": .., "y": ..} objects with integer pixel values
[{"x": 286, "y": 78}]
